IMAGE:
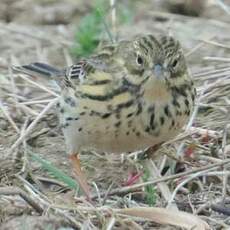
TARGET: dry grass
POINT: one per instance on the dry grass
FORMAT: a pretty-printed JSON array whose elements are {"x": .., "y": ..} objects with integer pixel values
[{"x": 199, "y": 156}]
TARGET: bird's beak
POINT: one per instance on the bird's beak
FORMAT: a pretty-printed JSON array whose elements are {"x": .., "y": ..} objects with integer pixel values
[{"x": 160, "y": 72}]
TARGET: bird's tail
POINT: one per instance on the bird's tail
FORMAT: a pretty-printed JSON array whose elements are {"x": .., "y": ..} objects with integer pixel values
[{"x": 39, "y": 69}]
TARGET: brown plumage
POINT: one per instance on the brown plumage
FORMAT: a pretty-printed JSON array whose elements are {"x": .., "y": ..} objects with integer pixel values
[{"x": 128, "y": 97}]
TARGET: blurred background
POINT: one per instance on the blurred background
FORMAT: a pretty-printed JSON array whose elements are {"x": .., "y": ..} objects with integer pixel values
[{"x": 52, "y": 27}]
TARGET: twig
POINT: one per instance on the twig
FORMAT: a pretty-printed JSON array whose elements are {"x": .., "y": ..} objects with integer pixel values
[
  {"x": 41, "y": 53},
  {"x": 15, "y": 29},
  {"x": 11, "y": 190},
  {"x": 210, "y": 72},
  {"x": 12, "y": 79},
  {"x": 137, "y": 187},
  {"x": 47, "y": 203},
  {"x": 196, "y": 130},
  {"x": 98, "y": 192},
  {"x": 216, "y": 44},
  {"x": 35, "y": 102},
  {"x": 163, "y": 187},
  {"x": 111, "y": 223},
  {"x": 223, "y": 6},
  {"x": 26, "y": 109},
  {"x": 169, "y": 15},
  {"x": 67, "y": 56},
  {"x": 185, "y": 182},
  {"x": 201, "y": 131},
  {"x": 38, "y": 85},
  {"x": 25, "y": 157},
  {"x": 113, "y": 16},
  {"x": 207, "y": 205},
  {"x": 107, "y": 192},
  {"x": 197, "y": 47},
  {"x": 106, "y": 26},
  {"x": 32, "y": 125},
  {"x": 8, "y": 117},
  {"x": 224, "y": 156},
  {"x": 221, "y": 223},
  {"x": 220, "y": 59},
  {"x": 33, "y": 191},
  {"x": 191, "y": 120}
]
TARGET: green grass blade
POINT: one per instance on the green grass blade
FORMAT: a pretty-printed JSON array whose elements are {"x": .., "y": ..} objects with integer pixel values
[
  {"x": 150, "y": 191},
  {"x": 57, "y": 173}
]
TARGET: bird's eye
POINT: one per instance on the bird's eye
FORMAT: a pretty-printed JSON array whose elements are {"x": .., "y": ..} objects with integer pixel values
[
  {"x": 174, "y": 64},
  {"x": 139, "y": 60}
]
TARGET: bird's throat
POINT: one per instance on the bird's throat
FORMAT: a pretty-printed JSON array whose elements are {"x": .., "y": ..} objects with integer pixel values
[{"x": 156, "y": 90}]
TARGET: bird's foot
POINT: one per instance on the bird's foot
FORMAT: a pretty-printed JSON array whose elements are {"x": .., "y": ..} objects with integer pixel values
[{"x": 79, "y": 175}]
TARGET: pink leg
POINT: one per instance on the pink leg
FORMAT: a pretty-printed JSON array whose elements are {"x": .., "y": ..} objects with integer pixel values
[{"x": 79, "y": 175}]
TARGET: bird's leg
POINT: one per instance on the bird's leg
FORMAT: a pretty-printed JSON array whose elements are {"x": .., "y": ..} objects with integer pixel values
[
  {"x": 79, "y": 175},
  {"x": 148, "y": 154},
  {"x": 132, "y": 178}
]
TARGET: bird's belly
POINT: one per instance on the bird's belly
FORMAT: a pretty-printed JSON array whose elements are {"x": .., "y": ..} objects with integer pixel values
[
  {"x": 107, "y": 136},
  {"x": 95, "y": 126}
]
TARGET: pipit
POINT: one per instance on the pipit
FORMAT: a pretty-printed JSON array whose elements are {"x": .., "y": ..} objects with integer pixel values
[{"x": 127, "y": 97}]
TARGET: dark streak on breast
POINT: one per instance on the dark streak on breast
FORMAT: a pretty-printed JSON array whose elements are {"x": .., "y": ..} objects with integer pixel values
[
  {"x": 70, "y": 101},
  {"x": 117, "y": 124},
  {"x": 152, "y": 125}
]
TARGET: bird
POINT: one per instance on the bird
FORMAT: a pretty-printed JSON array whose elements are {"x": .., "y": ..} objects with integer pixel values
[{"x": 128, "y": 96}]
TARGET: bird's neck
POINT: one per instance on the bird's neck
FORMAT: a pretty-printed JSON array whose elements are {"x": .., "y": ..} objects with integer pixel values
[
  {"x": 156, "y": 90},
  {"x": 161, "y": 91}
]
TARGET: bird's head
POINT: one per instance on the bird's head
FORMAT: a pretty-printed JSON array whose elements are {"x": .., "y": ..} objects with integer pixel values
[{"x": 149, "y": 59}]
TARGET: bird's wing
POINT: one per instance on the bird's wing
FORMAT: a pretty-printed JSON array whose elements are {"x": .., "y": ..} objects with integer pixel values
[
  {"x": 93, "y": 78},
  {"x": 99, "y": 75},
  {"x": 97, "y": 69}
]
